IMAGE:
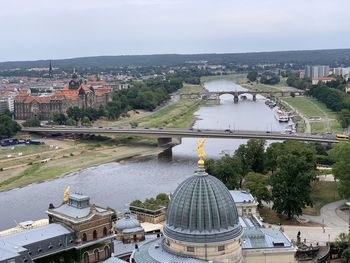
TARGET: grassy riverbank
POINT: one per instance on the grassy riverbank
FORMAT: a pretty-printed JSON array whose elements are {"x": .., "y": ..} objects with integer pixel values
[
  {"x": 321, "y": 118},
  {"x": 176, "y": 115},
  {"x": 76, "y": 156},
  {"x": 38, "y": 163}
]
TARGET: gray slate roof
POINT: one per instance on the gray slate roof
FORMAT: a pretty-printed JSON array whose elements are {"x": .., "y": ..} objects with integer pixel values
[
  {"x": 74, "y": 212},
  {"x": 241, "y": 196},
  {"x": 114, "y": 260},
  {"x": 202, "y": 210},
  {"x": 264, "y": 238},
  {"x": 148, "y": 253},
  {"x": 11, "y": 245}
]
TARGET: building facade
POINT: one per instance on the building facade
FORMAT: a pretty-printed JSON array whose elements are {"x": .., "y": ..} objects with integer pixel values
[
  {"x": 78, "y": 232},
  {"x": 74, "y": 94}
]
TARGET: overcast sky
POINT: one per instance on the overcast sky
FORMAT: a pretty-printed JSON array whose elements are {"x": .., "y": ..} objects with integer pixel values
[{"x": 49, "y": 29}]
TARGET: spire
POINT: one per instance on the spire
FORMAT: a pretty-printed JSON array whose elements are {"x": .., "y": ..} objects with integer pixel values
[{"x": 50, "y": 70}]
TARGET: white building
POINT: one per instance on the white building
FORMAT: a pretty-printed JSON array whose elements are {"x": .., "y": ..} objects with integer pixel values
[{"x": 245, "y": 203}]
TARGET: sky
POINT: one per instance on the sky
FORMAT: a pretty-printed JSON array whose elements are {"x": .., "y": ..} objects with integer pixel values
[{"x": 54, "y": 29}]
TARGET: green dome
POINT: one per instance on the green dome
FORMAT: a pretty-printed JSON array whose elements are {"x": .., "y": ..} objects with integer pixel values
[{"x": 202, "y": 210}]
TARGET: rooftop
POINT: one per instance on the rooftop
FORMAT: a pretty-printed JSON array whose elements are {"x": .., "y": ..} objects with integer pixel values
[
  {"x": 241, "y": 196},
  {"x": 11, "y": 245},
  {"x": 153, "y": 252}
]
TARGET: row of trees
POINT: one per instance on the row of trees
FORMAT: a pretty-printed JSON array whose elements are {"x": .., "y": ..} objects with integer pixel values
[
  {"x": 268, "y": 78},
  {"x": 293, "y": 80},
  {"x": 334, "y": 99},
  {"x": 142, "y": 95},
  {"x": 288, "y": 168}
]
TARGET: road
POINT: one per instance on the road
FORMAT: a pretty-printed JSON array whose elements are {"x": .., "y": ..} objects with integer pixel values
[{"x": 182, "y": 133}]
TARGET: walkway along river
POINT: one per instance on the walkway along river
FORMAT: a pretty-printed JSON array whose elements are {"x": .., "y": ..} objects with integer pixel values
[{"x": 116, "y": 184}]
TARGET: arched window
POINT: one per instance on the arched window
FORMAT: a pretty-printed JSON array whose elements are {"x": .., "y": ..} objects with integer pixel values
[
  {"x": 86, "y": 257},
  {"x": 84, "y": 237},
  {"x": 105, "y": 231},
  {"x": 95, "y": 234},
  {"x": 97, "y": 256},
  {"x": 107, "y": 252}
]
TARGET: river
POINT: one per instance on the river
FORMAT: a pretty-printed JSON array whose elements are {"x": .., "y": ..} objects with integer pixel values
[{"x": 116, "y": 184}]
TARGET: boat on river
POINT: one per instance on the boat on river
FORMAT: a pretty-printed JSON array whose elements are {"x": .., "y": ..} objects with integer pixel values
[{"x": 280, "y": 115}]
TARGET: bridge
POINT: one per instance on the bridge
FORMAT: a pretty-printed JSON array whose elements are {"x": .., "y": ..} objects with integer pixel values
[
  {"x": 236, "y": 94},
  {"x": 165, "y": 136}
]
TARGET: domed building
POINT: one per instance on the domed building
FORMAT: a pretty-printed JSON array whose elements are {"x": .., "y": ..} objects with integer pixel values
[
  {"x": 129, "y": 230},
  {"x": 202, "y": 220},
  {"x": 202, "y": 223}
]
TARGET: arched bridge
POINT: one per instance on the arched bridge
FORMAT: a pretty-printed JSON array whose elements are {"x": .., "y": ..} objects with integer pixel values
[
  {"x": 236, "y": 94},
  {"x": 165, "y": 135}
]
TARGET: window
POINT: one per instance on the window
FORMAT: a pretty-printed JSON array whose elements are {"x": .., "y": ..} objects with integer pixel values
[
  {"x": 95, "y": 234},
  {"x": 249, "y": 210},
  {"x": 190, "y": 249},
  {"x": 97, "y": 255},
  {"x": 39, "y": 249},
  {"x": 105, "y": 231},
  {"x": 84, "y": 237},
  {"x": 221, "y": 248},
  {"x": 86, "y": 257},
  {"x": 107, "y": 253}
]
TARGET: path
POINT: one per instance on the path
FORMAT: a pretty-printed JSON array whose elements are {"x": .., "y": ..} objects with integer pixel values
[
  {"x": 328, "y": 215},
  {"x": 306, "y": 120},
  {"x": 334, "y": 222},
  {"x": 326, "y": 119}
]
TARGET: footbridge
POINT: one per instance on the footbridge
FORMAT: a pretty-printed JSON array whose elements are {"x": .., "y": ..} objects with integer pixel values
[
  {"x": 165, "y": 136},
  {"x": 236, "y": 94}
]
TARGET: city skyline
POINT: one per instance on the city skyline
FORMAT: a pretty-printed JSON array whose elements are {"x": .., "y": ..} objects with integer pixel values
[{"x": 66, "y": 29}]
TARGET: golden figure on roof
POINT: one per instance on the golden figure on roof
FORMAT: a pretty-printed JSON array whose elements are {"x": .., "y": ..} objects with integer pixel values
[
  {"x": 66, "y": 194},
  {"x": 201, "y": 152}
]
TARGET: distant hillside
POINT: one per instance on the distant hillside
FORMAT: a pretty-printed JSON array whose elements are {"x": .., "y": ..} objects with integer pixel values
[{"x": 332, "y": 57}]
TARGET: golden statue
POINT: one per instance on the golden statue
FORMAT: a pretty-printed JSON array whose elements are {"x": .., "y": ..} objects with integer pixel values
[
  {"x": 66, "y": 194},
  {"x": 201, "y": 152}
]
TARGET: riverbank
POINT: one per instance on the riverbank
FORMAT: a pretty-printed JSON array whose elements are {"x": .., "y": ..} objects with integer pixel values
[
  {"x": 23, "y": 165},
  {"x": 320, "y": 118},
  {"x": 75, "y": 156},
  {"x": 178, "y": 114}
]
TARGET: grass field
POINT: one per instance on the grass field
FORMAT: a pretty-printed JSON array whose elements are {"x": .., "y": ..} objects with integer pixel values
[
  {"x": 190, "y": 88},
  {"x": 178, "y": 115},
  {"x": 25, "y": 149},
  {"x": 322, "y": 193},
  {"x": 312, "y": 108}
]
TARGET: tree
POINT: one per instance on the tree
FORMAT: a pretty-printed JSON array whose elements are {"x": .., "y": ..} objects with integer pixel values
[
  {"x": 86, "y": 121},
  {"x": 291, "y": 183},
  {"x": 257, "y": 185},
  {"x": 251, "y": 156},
  {"x": 8, "y": 127},
  {"x": 228, "y": 170},
  {"x": 32, "y": 122},
  {"x": 59, "y": 118},
  {"x": 71, "y": 122},
  {"x": 252, "y": 75},
  {"x": 340, "y": 154},
  {"x": 344, "y": 117},
  {"x": 113, "y": 110},
  {"x": 74, "y": 113}
]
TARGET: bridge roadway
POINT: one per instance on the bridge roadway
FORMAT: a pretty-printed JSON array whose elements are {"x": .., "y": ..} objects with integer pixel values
[{"x": 184, "y": 133}]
